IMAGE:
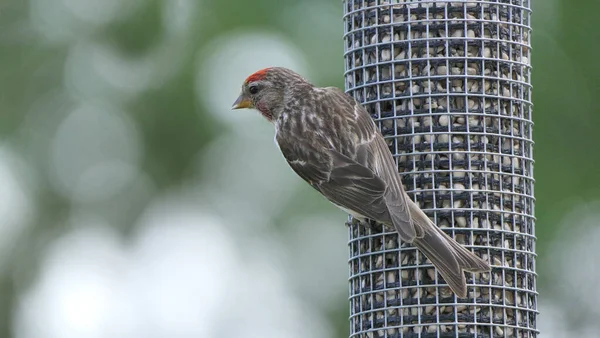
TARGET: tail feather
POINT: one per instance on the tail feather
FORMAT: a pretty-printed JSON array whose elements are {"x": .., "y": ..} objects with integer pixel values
[
  {"x": 466, "y": 259},
  {"x": 448, "y": 256},
  {"x": 443, "y": 258}
]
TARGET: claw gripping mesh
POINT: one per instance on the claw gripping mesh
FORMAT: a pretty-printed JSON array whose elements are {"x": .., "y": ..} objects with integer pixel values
[{"x": 448, "y": 83}]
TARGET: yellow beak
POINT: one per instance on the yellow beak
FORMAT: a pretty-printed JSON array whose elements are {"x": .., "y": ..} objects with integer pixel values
[{"x": 242, "y": 102}]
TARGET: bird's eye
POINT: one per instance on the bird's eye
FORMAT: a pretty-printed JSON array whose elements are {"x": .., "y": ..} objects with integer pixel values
[{"x": 253, "y": 90}]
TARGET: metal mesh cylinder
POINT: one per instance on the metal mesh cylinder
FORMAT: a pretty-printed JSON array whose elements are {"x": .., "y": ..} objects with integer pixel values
[{"x": 448, "y": 83}]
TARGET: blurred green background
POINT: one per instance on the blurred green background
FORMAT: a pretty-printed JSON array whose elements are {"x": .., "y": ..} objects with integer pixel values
[{"x": 134, "y": 203}]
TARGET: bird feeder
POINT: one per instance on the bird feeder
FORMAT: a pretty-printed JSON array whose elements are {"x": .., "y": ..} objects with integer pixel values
[{"x": 449, "y": 85}]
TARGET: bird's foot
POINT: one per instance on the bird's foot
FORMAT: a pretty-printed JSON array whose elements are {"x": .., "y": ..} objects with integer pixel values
[{"x": 368, "y": 224}]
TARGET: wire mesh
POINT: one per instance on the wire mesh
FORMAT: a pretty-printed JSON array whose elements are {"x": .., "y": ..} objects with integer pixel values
[{"x": 448, "y": 83}]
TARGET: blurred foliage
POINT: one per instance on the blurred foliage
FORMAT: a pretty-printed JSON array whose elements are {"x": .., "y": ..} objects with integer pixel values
[
  {"x": 174, "y": 126},
  {"x": 566, "y": 84}
]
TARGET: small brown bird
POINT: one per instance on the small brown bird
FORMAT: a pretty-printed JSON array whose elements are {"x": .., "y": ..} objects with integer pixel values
[{"x": 331, "y": 142}]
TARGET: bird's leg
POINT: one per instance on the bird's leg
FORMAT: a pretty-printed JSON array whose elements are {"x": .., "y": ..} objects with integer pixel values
[
  {"x": 353, "y": 221},
  {"x": 373, "y": 226},
  {"x": 369, "y": 224}
]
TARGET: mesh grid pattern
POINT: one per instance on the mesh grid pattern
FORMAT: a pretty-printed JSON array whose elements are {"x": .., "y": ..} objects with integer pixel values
[{"x": 448, "y": 83}]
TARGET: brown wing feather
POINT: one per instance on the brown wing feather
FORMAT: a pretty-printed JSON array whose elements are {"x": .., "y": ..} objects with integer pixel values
[
  {"x": 340, "y": 179},
  {"x": 357, "y": 188},
  {"x": 395, "y": 198},
  {"x": 305, "y": 159},
  {"x": 371, "y": 151}
]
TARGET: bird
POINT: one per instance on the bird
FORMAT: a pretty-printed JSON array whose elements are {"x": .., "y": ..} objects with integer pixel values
[{"x": 331, "y": 142}]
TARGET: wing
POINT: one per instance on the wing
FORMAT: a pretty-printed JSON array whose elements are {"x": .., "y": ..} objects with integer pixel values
[
  {"x": 372, "y": 152},
  {"x": 340, "y": 179},
  {"x": 357, "y": 188},
  {"x": 312, "y": 166},
  {"x": 395, "y": 198},
  {"x": 344, "y": 156}
]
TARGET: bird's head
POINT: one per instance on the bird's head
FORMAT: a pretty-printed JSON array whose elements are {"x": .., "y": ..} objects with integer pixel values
[{"x": 266, "y": 90}]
